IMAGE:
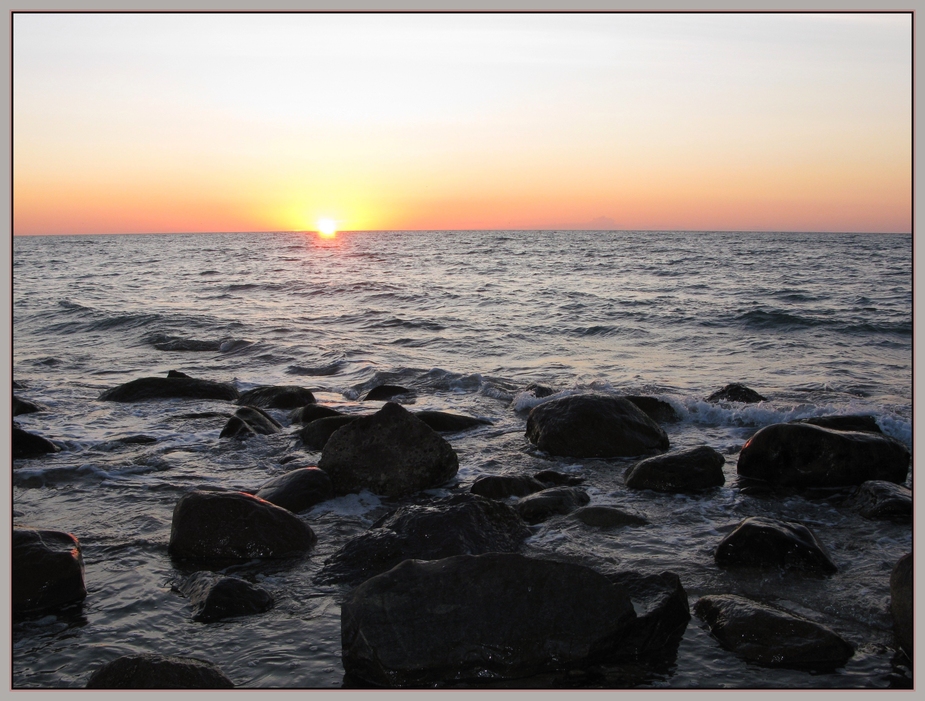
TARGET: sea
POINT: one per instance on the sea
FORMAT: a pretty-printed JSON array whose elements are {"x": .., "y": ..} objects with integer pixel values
[{"x": 818, "y": 324}]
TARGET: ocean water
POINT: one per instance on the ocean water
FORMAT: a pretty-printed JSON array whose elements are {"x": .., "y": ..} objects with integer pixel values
[{"x": 817, "y": 323}]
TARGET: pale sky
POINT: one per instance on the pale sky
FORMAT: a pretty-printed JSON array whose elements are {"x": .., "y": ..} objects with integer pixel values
[{"x": 267, "y": 122}]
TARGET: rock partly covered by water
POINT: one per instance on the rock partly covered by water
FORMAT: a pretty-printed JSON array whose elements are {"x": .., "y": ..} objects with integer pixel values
[
  {"x": 277, "y": 397},
  {"x": 463, "y": 524},
  {"x": 383, "y": 393},
  {"x": 30, "y": 445},
  {"x": 213, "y": 597},
  {"x": 446, "y": 422},
  {"x": 504, "y": 486},
  {"x": 150, "y": 671},
  {"x": 169, "y": 388},
  {"x": 736, "y": 392},
  {"x": 47, "y": 571},
  {"x": 879, "y": 499},
  {"x": 594, "y": 426},
  {"x": 901, "y": 595},
  {"x": 21, "y": 406},
  {"x": 771, "y": 637},
  {"x": 391, "y": 453},
  {"x": 660, "y": 411},
  {"x": 852, "y": 422},
  {"x": 250, "y": 421},
  {"x": 310, "y": 412},
  {"x": 235, "y": 526},
  {"x": 298, "y": 490},
  {"x": 685, "y": 471},
  {"x": 315, "y": 434},
  {"x": 494, "y": 616},
  {"x": 766, "y": 542},
  {"x": 803, "y": 455},
  {"x": 607, "y": 517},
  {"x": 540, "y": 506}
]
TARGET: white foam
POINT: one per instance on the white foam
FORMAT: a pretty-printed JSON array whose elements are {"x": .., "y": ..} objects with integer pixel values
[{"x": 348, "y": 505}]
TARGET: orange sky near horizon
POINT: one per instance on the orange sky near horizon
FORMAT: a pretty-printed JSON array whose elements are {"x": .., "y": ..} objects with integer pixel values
[{"x": 194, "y": 123}]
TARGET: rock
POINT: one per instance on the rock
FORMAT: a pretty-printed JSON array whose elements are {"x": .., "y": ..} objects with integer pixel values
[
  {"x": 30, "y": 445},
  {"x": 879, "y": 499},
  {"x": 494, "y": 616},
  {"x": 298, "y": 490},
  {"x": 169, "y": 388},
  {"x": 767, "y": 636},
  {"x": 555, "y": 500},
  {"x": 607, "y": 517},
  {"x": 383, "y": 393},
  {"x": 661, "y": 412},
  {"x": 539, "y": 391},
  {"x": 901, "y": 595},
  {"x": 149, "y": 671},
  {"x": 250, "y": 421},
  {"x": 310, "y": 412},
  {"x": 177, "y": 373},
  {"x": 686, "y": 471},
  {"x": 662, "y": 611},
  {"x": 391, "y": 453},
  {"x": 594, "y": 426},
  {"x": 446, "y": 422},
  {"x": 463, "y": 524},
  {"x": 20, "y": 406},
  {"x": 275, "y": 397},
  {"x": 551, "y": 478},
  {"x": 736, "y": 392},
  {"x": 503, "y": 486},
  {"x": 213, "y": 597},
  {"x": 235, "y": 526},
  {"x": 47, "y": 571},
  {"x": 855, "y": 422},
  {"x": 315, "y": 435},
  {"x": 803, "y": 455},
  {"x": 765, "y": 542}
]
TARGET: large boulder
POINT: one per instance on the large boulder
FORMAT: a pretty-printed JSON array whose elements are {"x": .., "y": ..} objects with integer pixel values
[
  {"x": 446, "y": 423},
  {"x": 594, "y": 426},
  {"x": 803, "y": 455},
  {"x": 150, "y": 671},
  {"x": 169, "y": 388},
  {"x": 494, "y": 616},
  {"x": 298, "y": 490},
  {"x": 768, "y": 636},
  {"x": 47, "y": 571},
  {"x": 685, "y": 471},
  {"x": 213, "y": 597},
  {"x": 879, "y": 499},
  {"x": 736, "y": 392},
  {"x": 314, "y": 435},
  {"x": 30, "y": 445},
  {"x": 250, "y": 421},
  {"x": 901, "y": 595},
  {"x": 662, "y": 611},
  {"x": 463, "y": 524},
  {"x": 504, "y": 486},
  {"x": 277, "y": 397},
  {"x": 235, "y": 526},
  {"x": 766, "y": 542},
  {"x": 391, "y": 453},
  {"x": 540, "y": 506}
]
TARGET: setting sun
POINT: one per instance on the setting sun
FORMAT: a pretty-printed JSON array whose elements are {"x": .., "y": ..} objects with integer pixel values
[{"x": 327, "y": 227}]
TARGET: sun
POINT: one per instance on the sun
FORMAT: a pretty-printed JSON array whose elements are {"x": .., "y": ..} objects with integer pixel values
[{"x": 327, "y": 227}]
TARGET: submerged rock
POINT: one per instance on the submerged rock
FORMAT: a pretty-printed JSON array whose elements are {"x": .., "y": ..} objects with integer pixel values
[
  {"x": 235, "y": 526},
  {"x": 213, "y": 597},
  {"x": 391, "y": 453},
  {"x": 446, "y": 422},
  {"x": 765, "y": 542},
  {"x": 660, "y": 411},
  {"x": 315, "y": 434},
  {"x": 803, "y": 455},
  {"x": 277, "y": 397},
  {"x": 539, "y": 506},
  {"x": 594, "y": 426},
  {"x": 150, "y": 671},
  {"x": 736, "y": 392},
  {"x": 30, "y": 445},
  {"x": 383, "y": 393},
  {"x": 771, "y": 637},
  {"x": 901, "y": 607},
  {"x": 607, "y": 517},
  {"x": 310, "y": 412},
  {"x": 47, "y": 571},
  {"x": 879, "y": 499},
  {"x": 174, "y": 387},
  {"x": 298, "y": 490},
  {"x": 685, "y": 471},
  {"x": 250, "y": 421},
  {"x": 854, "y": 422},
  {"x": 504, "y": 486}
]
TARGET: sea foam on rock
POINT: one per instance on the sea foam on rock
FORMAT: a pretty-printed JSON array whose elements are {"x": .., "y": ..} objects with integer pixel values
[
  {"x": 47, "y": 570},
  {"x": 685, "y": 471},
  {"x": 151, "y": 671},
  {"x": 594, "y": 426},
  {"x": 764, "y": 542},
  {"x": 145, "y": 388}
]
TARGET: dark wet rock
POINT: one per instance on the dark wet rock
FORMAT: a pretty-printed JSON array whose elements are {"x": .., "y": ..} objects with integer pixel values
[
  {"x": 879, "y": 499},
  {"x": 549, "y": 502},
  {"x": 662, "y": 612},
  {"x": 551, "y": 478},
  {"x": 594, "y": 426},
  {"x": 47, "y": 571},
  {"x": 494, "y": 616},
  {"x": 177, "y": 373},
  {"x": 446, "y": 422},
  {"x": 145, "y": 388},
  {"x": 277, "y": 397},
  {"x": 463, "y": 524},
  {"x": 660, "y": 411},
  {"x": 18, "y": 385},
  {"x": 308, "y": 413},
  {"x": 736, "y": 392},
  {"x": 383, "y": 393},
  {"x": 765, "y": 542},
  {"x": 250, "y": 421},
  {"x": 391, "y": 453},
  {"x": 150, "y": 671},
  {"x": 315, "y": 435},
  {"x": 770, "y": 637},
  {"x": 30, "y": 445},
  {"x": 213, "y": 597},
  {"x": 21, "y": 406},
  {"x": 539, "y": 391},
  {"x": 854, "y": 422},
  {"x": 235, "y": 526},
  {"x": 503, "y": 486},
  {"x": 607, "y": 517},
  {"x": 901, "y": 594},
  {"x": 298, "y": 490},
  {"x": 803, "y": 455},
  {"x": 686, "y": 471}
]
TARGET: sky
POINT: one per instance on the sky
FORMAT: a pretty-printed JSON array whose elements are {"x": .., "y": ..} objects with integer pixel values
[{"x": 143, "y": 123}]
